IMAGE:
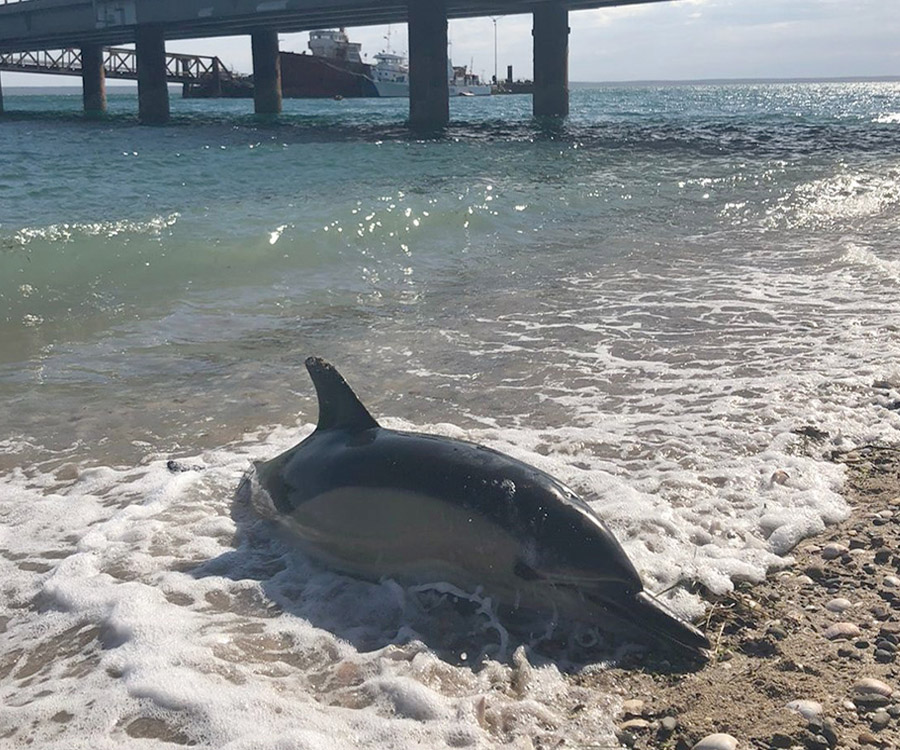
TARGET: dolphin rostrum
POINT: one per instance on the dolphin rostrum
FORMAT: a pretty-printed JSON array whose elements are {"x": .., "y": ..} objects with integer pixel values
[{"x": 374, "y": 503}]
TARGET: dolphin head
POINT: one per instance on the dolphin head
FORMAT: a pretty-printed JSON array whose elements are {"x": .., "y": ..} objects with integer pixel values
[
  {"x": 572, "y": 545},
  {"x": 573, "y": 550}
]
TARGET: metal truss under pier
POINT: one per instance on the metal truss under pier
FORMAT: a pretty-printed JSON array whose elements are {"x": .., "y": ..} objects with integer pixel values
[{"x": 118, "y": 62}]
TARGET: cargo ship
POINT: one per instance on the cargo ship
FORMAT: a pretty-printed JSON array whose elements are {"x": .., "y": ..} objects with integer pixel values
[{"x": 335, "y": 70}]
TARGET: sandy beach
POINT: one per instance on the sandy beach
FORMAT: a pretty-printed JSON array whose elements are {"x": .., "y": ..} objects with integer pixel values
[{"x": 806, "y": 659}]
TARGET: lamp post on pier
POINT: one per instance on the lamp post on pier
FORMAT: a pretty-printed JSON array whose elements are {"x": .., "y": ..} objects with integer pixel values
[{"x": 494, "y": 19}]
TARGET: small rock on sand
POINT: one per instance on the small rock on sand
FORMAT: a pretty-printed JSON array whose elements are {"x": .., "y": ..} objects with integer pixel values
[
  {"x": 842, "y": 630},
  {"x": 668, "y": 724},
  {"x": 809, "y": 710},
  {"x": 633, "y": 707},
  {"x": 880, "y": 719},
  {"x": 716, "y": 742},
  {"x": 833, "y": 550},
  {"x": 869, "y": 686},
  {"x": 838, "y": 605},
  {"x": 780, "y": 476}
]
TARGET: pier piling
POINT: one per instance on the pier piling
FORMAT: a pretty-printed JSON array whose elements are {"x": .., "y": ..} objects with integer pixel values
[
  {"x": 1, "y": 95},
  {"x": 93, "y": 80},
  {"x": 429, "y": 88},
  {"x": 266, "y": 72},
  {"x": 551, "y": 60},
  {"x": 153, "y": 90}
]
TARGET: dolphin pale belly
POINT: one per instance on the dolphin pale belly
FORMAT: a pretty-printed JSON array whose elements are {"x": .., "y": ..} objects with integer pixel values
[{"x": 374, "y": 502}]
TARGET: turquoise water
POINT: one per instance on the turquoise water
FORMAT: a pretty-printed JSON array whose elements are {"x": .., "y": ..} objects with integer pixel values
[
  {"x": 110, "y": 228},
  {"x": 648, "y": 300}
]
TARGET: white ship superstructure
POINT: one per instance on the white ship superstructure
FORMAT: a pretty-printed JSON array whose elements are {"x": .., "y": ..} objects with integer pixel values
[
  {"x": 391, "y": 74},
  {"x": 334, "y": 45},
  {"x": 391, "y": 78}
]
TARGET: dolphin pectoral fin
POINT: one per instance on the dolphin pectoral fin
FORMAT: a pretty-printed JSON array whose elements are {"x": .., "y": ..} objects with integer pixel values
[{"x": 339, "y": 407}]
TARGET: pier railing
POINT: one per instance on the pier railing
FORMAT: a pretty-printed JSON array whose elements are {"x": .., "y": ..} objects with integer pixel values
[{"x": 118, "y": 62}]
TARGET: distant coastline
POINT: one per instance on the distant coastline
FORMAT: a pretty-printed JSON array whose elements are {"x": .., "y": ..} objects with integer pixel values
[{"x": 731, "y": 81}]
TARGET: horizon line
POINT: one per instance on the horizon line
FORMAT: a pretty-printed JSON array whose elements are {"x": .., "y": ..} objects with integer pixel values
[{"x": 611, "y": 82}]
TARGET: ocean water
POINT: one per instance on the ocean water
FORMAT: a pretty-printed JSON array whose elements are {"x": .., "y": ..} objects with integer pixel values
[{"x": 655, "y": 301}]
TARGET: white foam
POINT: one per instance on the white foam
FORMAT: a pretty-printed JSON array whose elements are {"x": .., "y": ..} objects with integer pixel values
[{"x": 159, "y": 623}]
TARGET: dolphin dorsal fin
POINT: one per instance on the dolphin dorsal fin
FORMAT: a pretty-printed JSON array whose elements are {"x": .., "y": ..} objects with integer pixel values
[{"x": 339, "y": 407}]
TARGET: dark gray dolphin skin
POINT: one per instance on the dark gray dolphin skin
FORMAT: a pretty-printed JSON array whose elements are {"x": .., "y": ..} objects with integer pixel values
[{"x": 374, "y": 502}]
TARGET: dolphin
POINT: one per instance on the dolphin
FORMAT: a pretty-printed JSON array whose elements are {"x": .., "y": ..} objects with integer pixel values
[{"x": 378, "y": 503}]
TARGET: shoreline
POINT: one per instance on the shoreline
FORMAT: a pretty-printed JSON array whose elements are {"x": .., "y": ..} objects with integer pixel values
[{"x": 806, "y": 636}]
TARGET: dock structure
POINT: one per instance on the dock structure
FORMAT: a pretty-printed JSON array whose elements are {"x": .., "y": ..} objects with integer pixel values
[
  {"x": 27, "y": 26},
  {"x": 94, "y": 64}
]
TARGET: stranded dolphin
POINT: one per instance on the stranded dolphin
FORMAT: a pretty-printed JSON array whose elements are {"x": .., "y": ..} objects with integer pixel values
[{"x": 374, "y": 502}]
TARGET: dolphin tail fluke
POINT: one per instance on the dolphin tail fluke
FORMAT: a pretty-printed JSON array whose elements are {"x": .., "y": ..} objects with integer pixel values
[{"x": 339, "y": 406}]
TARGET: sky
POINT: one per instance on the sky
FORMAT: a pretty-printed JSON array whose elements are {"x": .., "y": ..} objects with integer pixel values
[{"x": 679, "y": 40}]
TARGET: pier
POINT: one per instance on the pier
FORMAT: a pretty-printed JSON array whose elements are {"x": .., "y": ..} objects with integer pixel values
[{"x": 83, "y": 28}]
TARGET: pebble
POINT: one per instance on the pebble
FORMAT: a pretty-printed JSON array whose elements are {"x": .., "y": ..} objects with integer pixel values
[
  {"x": 633, "y": 707},
  {"x": 68, "y": 472},
  {"x": 668, "y": 723},
  {"x": 829, "y": 733},
  {"x": 809, "y": 710},
  {"x": 871, "y": 686},
  {"x": 816, "y": 572},
  {"x": 842, "y": 630},
  {"x": 716, "y": 742},
  {"x": 777, "y": 632},
  {"x": 867, "y": 738},
  {"x": 834, "y": 550},
  {"x": 633, "y": 724},
  {"x": 780, "y": 477},
  {"x": 880, "y": 613},
  {"x": 883, "y": 656},
  {"x": 838, "y": 605},
  {"x": 880, "y": 719},
  {"x": 891, "y": 581}
]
